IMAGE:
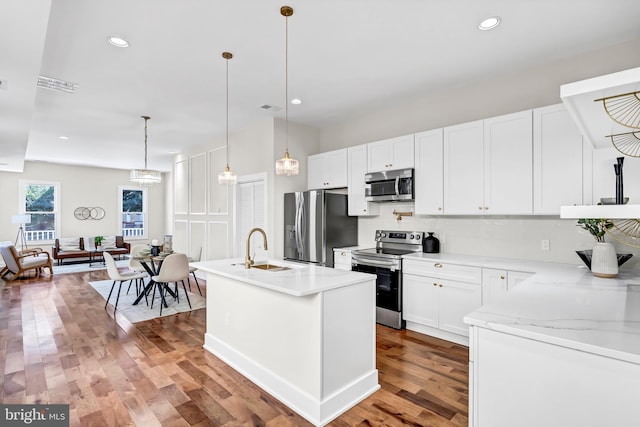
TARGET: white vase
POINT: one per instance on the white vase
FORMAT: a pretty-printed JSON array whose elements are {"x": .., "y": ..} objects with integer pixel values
[{"x": 604, "y": 261}]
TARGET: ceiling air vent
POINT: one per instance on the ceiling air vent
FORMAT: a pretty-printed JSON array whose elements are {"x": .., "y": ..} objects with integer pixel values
[
  {"x": 55, "y": 84},
  {"x": 3, "y": 84},
  {"x": 267, "y": 107}
]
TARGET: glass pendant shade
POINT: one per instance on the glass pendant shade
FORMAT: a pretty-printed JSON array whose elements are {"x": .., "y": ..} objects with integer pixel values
[
  {"x": 287, "y": 165},
  {"x": 227, "y": 176},
  {"x": 146, "y": 177}
]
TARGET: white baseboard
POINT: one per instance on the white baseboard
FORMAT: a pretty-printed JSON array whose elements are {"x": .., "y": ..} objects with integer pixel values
[
  {"x": 438, "y": 333},
  {"x": 317, "y": 411}
]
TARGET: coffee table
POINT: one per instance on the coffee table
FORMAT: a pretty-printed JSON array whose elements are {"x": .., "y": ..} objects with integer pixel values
[{"x": 96, "y": 255}]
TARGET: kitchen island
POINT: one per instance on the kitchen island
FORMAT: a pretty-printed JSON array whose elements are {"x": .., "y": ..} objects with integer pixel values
[
  {"x": 304, "y": 333},
  {"x": 561, "y": 349}
]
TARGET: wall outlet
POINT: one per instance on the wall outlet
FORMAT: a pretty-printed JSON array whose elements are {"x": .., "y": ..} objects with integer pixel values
[{"x": 544, "y": 245}]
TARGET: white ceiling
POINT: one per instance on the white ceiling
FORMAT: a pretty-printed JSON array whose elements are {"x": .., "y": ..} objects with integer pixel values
[{"x": 346, "y": 58}]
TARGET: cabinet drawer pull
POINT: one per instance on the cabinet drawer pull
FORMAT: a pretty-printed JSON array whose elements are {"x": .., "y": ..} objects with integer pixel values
[
  {"x": 501, "y": 277},
  {"x": 435, "y": 284},
  {"x": 440, "y": 285},
  {"x": 480, "y": 207},
  {"x": 343, "y": 253},
  {"x": 437, "y": 265},
  {"x": 439, "y": 209}
]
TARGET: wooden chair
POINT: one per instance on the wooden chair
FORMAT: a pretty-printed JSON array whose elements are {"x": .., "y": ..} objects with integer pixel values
[
  {"x": 174, "y": 269},
  {"x": 18, "y": 262}
]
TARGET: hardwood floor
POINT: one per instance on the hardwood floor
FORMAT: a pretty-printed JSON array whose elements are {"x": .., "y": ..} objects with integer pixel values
[{"x": 59, "y": 345}]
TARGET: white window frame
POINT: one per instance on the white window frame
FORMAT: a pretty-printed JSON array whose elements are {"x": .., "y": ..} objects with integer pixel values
[
  {"x": 145, "y": 194},
  {"x": 22, "y": 204}
]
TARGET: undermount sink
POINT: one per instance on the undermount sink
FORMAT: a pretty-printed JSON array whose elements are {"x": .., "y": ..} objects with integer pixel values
[{"x": 271, "y": 267}]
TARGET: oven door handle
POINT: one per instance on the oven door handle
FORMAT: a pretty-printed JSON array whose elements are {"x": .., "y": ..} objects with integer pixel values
[{"x": 374, "y": 263}]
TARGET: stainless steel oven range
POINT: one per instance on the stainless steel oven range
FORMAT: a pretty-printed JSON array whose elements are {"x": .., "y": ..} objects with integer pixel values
[{"x": 385, "y": 261}]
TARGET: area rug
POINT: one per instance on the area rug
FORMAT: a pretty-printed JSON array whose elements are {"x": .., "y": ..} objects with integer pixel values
[{"x": 141, "y": 312}]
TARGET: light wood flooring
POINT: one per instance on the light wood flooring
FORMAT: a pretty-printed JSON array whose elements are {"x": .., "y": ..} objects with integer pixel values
[{"x": 59, "y": 345}]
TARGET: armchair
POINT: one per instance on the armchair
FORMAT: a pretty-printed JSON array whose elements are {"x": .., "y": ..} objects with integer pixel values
[{"x": 18, "y": 262}]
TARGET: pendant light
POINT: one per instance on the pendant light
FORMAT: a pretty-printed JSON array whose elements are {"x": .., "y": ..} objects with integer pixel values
[
  {"x": 227, "y": 177},
  {"x": 145, "y": 177},
  {"x": 286, "y": 165}
]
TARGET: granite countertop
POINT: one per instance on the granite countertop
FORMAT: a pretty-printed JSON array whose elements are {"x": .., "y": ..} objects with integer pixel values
[{"x": 299, "y": 280}]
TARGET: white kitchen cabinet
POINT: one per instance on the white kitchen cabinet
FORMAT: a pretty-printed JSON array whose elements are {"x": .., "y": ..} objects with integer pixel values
[
  {"x": 464, "y": 169},
  {"x": 437, "y": 296},
  {"x": 429, "y": 184},
  {"x": 391, "y": 154},
  {"x": 496, "y": 282},
  {"x": 342, "y": 259},
  {"x": 356, "y": 170},
  {"x": 488, "y": 166},
  {"x": 508, "y": 164},
  {"x": 514, "y": 278},
  {"x": 562, "y": 162},
  {"x": 327, "y": 170}
]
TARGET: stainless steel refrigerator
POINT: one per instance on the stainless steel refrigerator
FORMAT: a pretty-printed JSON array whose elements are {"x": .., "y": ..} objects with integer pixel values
[{"x": 315, "y": 222}]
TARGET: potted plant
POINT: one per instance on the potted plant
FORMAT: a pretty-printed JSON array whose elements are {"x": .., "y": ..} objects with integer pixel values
[
  {"x": 98, "y": 242},
  {"x": 604, "y": 260}
]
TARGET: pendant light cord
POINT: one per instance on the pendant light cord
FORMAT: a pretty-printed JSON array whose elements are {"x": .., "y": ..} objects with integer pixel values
[
  {"x": 286, "y": 82},
  {"x": 145, "y": 141},
  {"x": 227, "y": 113}
]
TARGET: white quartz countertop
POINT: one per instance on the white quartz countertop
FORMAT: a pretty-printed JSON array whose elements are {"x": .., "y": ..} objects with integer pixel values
[
  {"x": 569, "y": 307},
  {"x": 299, "y": 280}
]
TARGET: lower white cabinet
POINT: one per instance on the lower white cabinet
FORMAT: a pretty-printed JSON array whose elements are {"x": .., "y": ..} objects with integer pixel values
[
  {"x": 342, "y": 259},
  {"x": 496, "y": 282},
  {"x": 437, "y": 296}
]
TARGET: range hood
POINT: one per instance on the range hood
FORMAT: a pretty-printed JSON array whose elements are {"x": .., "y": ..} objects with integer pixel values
[{"x": 590, "y": 116}]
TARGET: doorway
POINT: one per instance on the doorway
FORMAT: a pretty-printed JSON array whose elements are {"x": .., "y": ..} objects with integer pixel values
[{"x": 250, "y": 210}]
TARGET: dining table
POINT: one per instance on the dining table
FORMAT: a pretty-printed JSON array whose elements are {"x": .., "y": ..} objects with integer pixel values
[{"x": 152, "y": 265}]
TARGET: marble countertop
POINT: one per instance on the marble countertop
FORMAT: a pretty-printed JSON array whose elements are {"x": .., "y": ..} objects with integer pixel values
[
  {"x": 491, "y": 262},
  {"x": 299, "y": 280},
  {"x": 569, "y": 307}
]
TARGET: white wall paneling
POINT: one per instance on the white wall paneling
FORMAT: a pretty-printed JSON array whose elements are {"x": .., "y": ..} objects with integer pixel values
[
  {"x": 218, "y": 193},
  {"x": 197, "y": 237},
  {"x": 181, "y": 186},
  {"x": 217, "y": 241},
  {"x": 198, "y": 184},
  {"x": 181, "y": 236}
]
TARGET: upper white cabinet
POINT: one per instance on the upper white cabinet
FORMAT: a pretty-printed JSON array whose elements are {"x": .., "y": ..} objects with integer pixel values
[
  {"x": 327, "y": 170},
  {"x": 429, "y": 196},
  {"x": 508, "y": 164},
  {"x": 464, "y": 169},
  {"x": 356, "y": 170},
  {"x": 391, "y": 154},
  {"x": 562, "y": 162},
  {"x": 488, "y": 166}
]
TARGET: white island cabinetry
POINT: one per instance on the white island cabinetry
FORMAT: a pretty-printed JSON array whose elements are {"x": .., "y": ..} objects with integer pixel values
[{"x": 305, "y": 334}]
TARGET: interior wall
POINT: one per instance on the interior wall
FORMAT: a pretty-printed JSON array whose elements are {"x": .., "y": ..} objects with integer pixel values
[
  {"x": 517, "y": 237},
  {"x": 80, "y": 186}
]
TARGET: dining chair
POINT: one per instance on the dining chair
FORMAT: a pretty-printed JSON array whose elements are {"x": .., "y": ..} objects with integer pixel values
[
  {"x": 134, "y": 264},
  {"x": 120, "y": 276},
  {"x": 192, "y": 270},
  {"x": 174, "y": 269}
]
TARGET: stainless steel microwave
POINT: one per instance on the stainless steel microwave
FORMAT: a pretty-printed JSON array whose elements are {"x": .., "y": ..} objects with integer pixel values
[{"x": 389, "y": 185}]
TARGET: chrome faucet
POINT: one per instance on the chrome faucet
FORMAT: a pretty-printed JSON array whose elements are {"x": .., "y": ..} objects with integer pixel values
[{"x": 248, "y": 262}]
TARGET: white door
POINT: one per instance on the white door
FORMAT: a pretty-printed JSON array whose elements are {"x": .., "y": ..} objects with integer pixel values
[{"x": 250, "y": 212}]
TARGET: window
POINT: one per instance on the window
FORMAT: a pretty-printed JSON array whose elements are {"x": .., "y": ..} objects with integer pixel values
[
  {"x": 40, "y": 200},
  {"x": 132, "y": 203}
]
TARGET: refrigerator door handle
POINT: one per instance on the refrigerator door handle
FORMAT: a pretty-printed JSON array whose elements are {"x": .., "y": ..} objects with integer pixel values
[{"x": 298, "y": 225}]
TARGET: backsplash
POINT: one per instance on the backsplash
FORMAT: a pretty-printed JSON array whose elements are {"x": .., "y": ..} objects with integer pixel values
[{"x": 503, "y": 237}]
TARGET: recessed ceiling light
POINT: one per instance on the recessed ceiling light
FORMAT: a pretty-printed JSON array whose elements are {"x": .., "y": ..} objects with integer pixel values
[
  {"x": 296, "y": 101},
  {"x": 117, "y": 41},
  {"x": 490, "y": 23},
  {"x": 64, "y": 138}
]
